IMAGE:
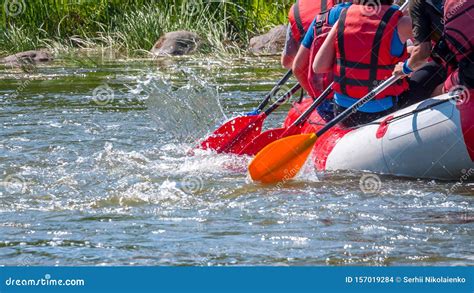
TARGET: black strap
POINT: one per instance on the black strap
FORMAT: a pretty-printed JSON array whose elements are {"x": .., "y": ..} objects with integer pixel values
[
  {"x": 354, "y": 82},
  {"x": 455, "y": 42},
  {"x": 340, "y": 41},
  {"x": 321, "y": 20},
  {"x": 301, "y": 96},
  {"x": 299, "y": 22},
  {"x": 357, "y": 65},
  {"x": 377, "y": 44}
]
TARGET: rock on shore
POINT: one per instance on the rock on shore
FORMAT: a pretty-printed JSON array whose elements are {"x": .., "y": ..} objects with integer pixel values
[
  {"x": 27, "y": 57},
  {"x": 176, "y": 44},
  {"x": 272, "y": 42}
]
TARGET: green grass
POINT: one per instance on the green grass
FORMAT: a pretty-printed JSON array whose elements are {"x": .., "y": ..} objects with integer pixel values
[{"x": 133, "y": 26}]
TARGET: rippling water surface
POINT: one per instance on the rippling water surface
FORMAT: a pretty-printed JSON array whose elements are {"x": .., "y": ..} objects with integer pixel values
[{"x": 95, "y": 170}]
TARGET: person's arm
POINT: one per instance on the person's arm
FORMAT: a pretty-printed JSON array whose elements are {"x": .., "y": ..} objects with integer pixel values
[
  {"x": 290, "y": 50},
  {"x": 419, "y": 55},
  {"x": 300, "y": 66},
  {"x": 286, "y": 61},
  {"x": 421, "y": 30},
  {"x": 301, "y": 62},
  {"x": 325, "y": 58},
  {"x": 404, "y": 28}
]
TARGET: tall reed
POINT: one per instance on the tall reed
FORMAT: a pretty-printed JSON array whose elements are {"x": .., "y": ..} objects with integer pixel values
[{"x": 134, "y": 24}]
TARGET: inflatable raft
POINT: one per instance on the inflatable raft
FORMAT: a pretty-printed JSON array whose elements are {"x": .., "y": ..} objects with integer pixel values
[{"x": 433, "y": 139}]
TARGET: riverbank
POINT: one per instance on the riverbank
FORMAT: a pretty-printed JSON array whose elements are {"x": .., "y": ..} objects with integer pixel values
[{"x": 133, "y": 28}]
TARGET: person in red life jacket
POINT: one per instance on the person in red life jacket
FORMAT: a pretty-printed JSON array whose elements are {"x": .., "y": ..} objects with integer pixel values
[
  {"x": 300, "y": 17},
  {"x": 459, "y": 37},
  {"x": 315, "y": 84},
  {"x": 425, "y": 73},
  {"x": 318, "y": 29},
  {"x": 362, "y": 50}
]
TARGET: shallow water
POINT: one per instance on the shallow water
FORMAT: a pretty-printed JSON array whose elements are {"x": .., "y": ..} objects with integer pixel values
[{"x": 92, "y": 174}]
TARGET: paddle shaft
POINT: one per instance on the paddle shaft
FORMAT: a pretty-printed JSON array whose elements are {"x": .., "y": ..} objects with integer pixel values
[
  {"x": 404, "y": 6},
  {"x": 313, "y": 106},
  {"x": 283, "y": 99},
  {"x": 354, "y": 108},
  {"x": 274, "y": 90},
  {"x": 260, "y": 118}
]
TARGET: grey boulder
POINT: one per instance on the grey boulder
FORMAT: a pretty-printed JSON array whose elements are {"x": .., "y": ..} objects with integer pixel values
[
  {"x": 27, "y": 57},
  {"x": 272, "y": 42},
  {"x": 176, "y": 44}
]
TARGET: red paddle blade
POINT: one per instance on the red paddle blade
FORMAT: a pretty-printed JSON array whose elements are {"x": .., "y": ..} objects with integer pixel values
[
  {"x": 262, "y": 141},
  {"x": 292, "y": 130},
  {"x": 234, "y": 135},
  {"x": 267, "y": 138}
]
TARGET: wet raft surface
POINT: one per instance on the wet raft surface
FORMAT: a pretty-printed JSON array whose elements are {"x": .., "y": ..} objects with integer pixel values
[{"x": 94, "y": 175}]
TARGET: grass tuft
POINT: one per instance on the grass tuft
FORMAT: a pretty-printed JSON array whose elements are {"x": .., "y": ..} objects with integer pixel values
[{"x": 135, "y": 25}]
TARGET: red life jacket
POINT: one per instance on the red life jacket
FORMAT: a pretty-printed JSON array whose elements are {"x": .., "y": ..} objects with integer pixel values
[
  {"x": 318, "y": 82},
  {"x": 363, "y": 57},
  {"x": 302, "y": 14},
  {"x": 458, "y": 28}
]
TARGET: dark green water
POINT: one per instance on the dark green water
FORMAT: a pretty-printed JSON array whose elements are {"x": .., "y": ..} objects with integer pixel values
[{"x": 94, "y": 171}]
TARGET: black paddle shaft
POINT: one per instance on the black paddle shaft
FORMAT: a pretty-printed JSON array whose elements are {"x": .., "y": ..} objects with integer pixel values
[
  {"x": 282, "y": 81},
  {"x": 313, "y": 106},
  {"x": 283, "y": 99},
  {"x": 354, "y": 108}
]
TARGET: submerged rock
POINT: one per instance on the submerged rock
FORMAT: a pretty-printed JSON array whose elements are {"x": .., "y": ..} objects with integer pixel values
[
  {"x": 177, "y": 43},
  {"x": 27, "y": 57},
  {"x": 272, "y": 42}
]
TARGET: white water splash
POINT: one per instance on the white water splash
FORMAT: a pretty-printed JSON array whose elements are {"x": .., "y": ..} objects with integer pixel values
[{"x": 187, "y": 112}]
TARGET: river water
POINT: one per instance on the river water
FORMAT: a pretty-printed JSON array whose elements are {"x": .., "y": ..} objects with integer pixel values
[{"x": 96, "y": 170}]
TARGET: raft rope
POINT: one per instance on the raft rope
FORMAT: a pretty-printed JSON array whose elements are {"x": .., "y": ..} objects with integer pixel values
[
  {"x": 399, "y": 117},
  {"x": 416, "y": 111}
]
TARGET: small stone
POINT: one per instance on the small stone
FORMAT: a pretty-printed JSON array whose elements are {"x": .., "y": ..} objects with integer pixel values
[{"x": 176, "y": 44}]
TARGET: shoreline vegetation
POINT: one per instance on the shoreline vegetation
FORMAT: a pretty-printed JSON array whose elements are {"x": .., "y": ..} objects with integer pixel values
[{"x": 132, "y": 28}]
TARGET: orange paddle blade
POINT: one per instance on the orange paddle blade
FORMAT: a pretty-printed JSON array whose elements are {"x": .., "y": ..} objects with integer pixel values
[{"x": 282, "y": 159}]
